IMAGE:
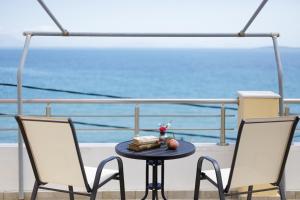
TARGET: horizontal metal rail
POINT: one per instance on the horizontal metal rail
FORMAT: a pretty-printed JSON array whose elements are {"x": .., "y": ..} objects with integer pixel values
[
  {"x": 126, "y": 116},
  {"x": 132, "y": 129},
  {"x": 134, "y": 101},
  {"x": 291, "y": 101},
  {"x": 123, "y": 101},
  {"x": 8, "y": 129},
  {"x": 90, "y": 34},
  {"x": 137, "y": 116},
  {"x": 150, "y": 116}
]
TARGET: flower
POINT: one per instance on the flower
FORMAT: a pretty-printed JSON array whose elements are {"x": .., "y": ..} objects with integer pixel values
[{"x": 163, "y": 127}]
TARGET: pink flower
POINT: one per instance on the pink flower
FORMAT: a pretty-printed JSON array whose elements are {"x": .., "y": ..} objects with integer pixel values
[{"x": 163, "y": 129}]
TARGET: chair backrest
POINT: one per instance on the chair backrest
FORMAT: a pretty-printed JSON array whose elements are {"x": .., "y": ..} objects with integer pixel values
[
  {"x": 261, "y": 151},
  {"x": 53, "y": 150}
]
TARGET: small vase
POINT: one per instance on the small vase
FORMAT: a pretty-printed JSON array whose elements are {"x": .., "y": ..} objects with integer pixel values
[{"x": 162, "y": 137}]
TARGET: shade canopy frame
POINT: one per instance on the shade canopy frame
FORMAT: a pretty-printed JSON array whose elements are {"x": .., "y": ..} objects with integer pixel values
[{"x": 65, "y": 33}]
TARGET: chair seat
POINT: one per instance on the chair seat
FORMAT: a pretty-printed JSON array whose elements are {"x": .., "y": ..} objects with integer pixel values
[
  {"x": 91, "y": 173},
  {"x": 224, "y": 173}
]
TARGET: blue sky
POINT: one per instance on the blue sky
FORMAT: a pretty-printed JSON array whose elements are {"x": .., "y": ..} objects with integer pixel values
[{"x": 150, "y": 16}]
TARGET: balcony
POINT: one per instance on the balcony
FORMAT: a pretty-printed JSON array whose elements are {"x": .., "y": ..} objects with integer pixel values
[{"x": 221, "y": 131}]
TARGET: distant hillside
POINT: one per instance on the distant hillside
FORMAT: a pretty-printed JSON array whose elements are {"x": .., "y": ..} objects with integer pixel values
[{"x": 281, "y": 47}]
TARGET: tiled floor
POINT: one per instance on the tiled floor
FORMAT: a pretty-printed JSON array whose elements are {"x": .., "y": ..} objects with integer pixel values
[{"x": 171, "y": 195}]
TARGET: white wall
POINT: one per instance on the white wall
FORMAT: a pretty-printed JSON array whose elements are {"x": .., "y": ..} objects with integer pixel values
[{"x": 179, "y": 174}]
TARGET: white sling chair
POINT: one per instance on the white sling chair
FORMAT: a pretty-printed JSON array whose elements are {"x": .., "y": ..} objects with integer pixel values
[
  {"x": 259, "y": 157},
  {"x": 55, "y": 157}
]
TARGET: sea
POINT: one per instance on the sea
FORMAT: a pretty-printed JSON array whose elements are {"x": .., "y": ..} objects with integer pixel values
[{"x": 181, "y": 73}]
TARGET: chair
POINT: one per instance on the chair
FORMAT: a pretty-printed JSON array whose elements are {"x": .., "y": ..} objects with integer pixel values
[
  {"x": 259, "y": 157},
  {"x": 55, "y": 157}
]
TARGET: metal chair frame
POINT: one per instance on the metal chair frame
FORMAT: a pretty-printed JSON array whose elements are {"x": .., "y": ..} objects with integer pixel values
[
  {"x": 223, "y": 193},
  {"x": 91, "y": 191}
]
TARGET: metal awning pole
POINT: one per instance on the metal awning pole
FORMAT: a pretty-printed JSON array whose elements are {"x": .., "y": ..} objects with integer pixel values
[
  {"x": 128, "y": 34},
  {"x": 260, "y": 7},
  {"x": 64, "y": 31},
  {"x": 279, "y": 73},
  {"x": 280, "y": 90},
  {"x": 20, "y": 111}
]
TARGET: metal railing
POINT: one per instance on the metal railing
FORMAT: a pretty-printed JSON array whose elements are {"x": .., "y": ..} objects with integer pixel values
[
  {"x": 136, "y": 115},
  {"x": 287, "y": 103},
  {"x": 221, "y": 103}
]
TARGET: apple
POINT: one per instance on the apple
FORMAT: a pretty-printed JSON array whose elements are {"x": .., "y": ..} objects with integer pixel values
[{"x": 172, "y": 144}]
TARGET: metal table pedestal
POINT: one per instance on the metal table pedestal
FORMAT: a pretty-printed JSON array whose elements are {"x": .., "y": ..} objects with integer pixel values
[{"x": 155, "y": 186}]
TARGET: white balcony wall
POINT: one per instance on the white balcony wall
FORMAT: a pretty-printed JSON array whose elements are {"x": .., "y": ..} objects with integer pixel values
[{"x": 179, "y": 174}]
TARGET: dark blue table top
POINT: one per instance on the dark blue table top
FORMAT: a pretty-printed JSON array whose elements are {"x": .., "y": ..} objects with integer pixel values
[{"x": 162, "y": 153}]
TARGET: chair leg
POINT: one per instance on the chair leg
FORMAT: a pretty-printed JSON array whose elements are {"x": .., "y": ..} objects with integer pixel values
[
  {"x": 249, "y": 195},
  {"x": 219, "y": 183},
  {"x": 221, "y": 191},
  {"x": 199, "y": 177},
  {"x": 122, "y": 186},
  {"x": 71, "y": 192},
  {"x": 93, "y": 195},
  {"x": 282, "y": 193},
  {"x": 121, "y": 179},
  {"x": 197, "y": 184},
  {"x": 35, "y": 190}
]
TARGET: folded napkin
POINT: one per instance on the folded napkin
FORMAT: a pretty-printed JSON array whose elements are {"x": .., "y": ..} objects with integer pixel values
[
  {"x": 142, "y": 147},
  {"x": 145, "y": 140}
]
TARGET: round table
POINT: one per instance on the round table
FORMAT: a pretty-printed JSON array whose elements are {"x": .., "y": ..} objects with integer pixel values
[{"x": 156, "y": 157}]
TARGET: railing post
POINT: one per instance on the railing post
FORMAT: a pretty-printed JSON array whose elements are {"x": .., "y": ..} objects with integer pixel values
[
  {"x": 286, "y": 110},
  {"x": 223, "y": 128},
  {"x": 48, "y": 110},
  {"x": 136, "y": 120}
]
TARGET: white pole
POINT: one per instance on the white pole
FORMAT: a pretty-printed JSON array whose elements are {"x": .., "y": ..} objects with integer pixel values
[
  {"x": 279, "y": 74},
  {"x": 64, "y": 31},
  {"x": 141, "y": 34},
  {"x": 257, "y": 11},
  {"x": 280, "y": 89},
  {"x": 20, "y": 111}
]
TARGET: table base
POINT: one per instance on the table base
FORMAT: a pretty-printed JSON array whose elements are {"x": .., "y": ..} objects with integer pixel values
[{"x": 154, "y": 186}]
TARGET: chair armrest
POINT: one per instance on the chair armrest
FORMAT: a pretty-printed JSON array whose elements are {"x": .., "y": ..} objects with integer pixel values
[
  {"x": 101, "y": 166},
  {"x": 209, "y": 159},
  {"x": 216, "y": 168}
]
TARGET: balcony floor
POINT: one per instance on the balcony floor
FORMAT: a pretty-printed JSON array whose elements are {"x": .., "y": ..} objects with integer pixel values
[{"x": 171, "y": 195}]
